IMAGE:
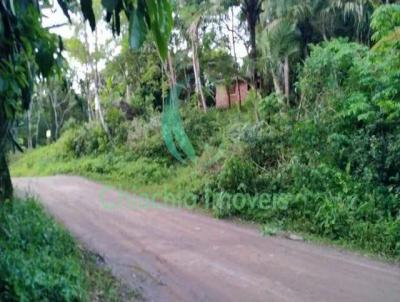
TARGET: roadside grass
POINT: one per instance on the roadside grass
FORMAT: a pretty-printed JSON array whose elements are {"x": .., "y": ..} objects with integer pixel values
[
  {"x": 40, "y": 261},
  {"x": 45, "y": 161},
  {"x": 273, "y": 229}
]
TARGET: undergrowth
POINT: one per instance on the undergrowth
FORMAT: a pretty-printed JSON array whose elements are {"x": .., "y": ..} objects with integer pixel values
[{"x": 40, "y": 261}]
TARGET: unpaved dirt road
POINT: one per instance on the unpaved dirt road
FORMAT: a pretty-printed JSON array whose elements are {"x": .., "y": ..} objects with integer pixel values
[{"x": 177, "y": 255}]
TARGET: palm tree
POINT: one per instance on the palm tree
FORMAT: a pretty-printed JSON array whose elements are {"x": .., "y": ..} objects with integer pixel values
[
  {"x": 279, "y": 43},
  {"x": 321, "y": 19},
  {"x": 251, "y": 10},
  {"x": 287, "y": 22}
]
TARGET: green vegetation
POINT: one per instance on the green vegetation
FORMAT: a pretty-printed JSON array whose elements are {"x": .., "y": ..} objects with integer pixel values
[
  {"x": 312, "y": 147},
  {"x": 319, "y": 155},
  {"x": 40, "y": 261}
]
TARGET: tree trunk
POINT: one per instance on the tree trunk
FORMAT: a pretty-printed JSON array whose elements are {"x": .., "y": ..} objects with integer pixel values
[
  {"x": 234, "y": 54},
  {"x": 28, "y": 117},
  {"x": 277, "y": 85},
  {"x": 170, "y": 70},
  {"x": 253, "y": 53},
  {"x": 53, "y": 102},
  {"x": 98, "y": 108},
  {"x": 228, "y": 92},
  {"x": 286, "y": 72},
  {"x": 87, "y": 77},
  {"x": 37, "y": 129},
  {"x": 128, "y": 94},
  {"x": 187, "y": 85},
  {"x": 128, "y": 87},
  {"x": 252, "y": 10},
  {"x": 6, "y": 189},
  {"x": 56, "y": 124},
  {"x": 99, "y": 111},
  {"x": 194, "y": 36}
]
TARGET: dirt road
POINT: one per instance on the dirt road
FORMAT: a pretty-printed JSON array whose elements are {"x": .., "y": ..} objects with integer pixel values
[{"x": 178, "y": 255}]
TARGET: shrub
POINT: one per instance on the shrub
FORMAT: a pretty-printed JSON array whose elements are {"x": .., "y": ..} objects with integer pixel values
[
  {"x": 116, "y": 125},
  {"x": 145, "y": 139},
  {"x": 237, "y": 175},
  {"x": 86, "y": 140},
  {"x": 143, "y": 170},
  {"x": 333, "y": 218},
  {"x": 271, "y": 106},
  {"x": 201, "y": 128},
  {"x": 264, "y": 144},
  {"x": 382, "y": 237},
  {"x": 327, "y": 69},
  {"x": 384, "y": 20}
]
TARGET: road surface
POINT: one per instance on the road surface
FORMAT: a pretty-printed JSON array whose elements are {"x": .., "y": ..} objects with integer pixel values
[{"x": 174, "y": 254}]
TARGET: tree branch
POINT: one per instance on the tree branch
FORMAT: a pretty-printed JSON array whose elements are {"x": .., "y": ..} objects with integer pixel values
[{"x": 56, "y": 25}]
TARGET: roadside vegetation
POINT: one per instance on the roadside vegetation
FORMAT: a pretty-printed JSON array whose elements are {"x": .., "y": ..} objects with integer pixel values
[
  {"x": 40, "y": 261},
  {"x": 330, "y": 167},
  {"x": 317, "y": 136}
]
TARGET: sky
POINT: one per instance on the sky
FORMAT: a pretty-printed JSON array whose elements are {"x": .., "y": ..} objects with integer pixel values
[{"x": 55, "y": 16}]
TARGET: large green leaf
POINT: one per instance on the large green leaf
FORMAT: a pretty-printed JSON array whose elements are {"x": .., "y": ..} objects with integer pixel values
[
  {"x": 137, "y": 27},
  {"x": 161, "y": 22},
  {"x": 117, "y": 23},
  {"x": 88, "y": 14},
  {"x": 45, "y": 59},
  {"x": 154, "y": 16},
  {"x": 64, "y": 6},
  {"x": 109, "y": 5}
]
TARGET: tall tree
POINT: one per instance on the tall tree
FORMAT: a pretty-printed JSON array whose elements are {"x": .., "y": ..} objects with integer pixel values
[
  {"x": 193, "y": 13},
  {"x": 62, "y": 101},
  {"x": 251, "y": 9},
  {"x": 279, "y": 43}
]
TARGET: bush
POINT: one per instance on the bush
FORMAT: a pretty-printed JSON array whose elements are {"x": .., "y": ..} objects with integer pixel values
[
  {"x": 143, "y": 170},
  {"x": 201, "y": 128},
  {"x": 86, "y": 140},
  {"x": 237, "y": 175},
  {"x": 327, "y": 69},
  {"x": 145, "y": 139},
  {"x": 385, "y": 19},
  {"x": 264, "y": 144},
  {"x": 382, "y": 237},
  {"x": 333, "y": 218},
  {"x": 116, "y": 124},
  {"x": 271, "y": 106}
]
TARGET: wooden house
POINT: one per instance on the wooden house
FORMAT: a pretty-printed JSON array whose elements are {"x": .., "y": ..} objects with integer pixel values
[{"x": 235, "y": 95}]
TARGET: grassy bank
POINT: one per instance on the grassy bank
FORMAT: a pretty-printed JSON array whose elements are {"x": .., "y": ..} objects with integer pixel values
[
  {"x": 40, "y": 261},
  {"x": 186, "y": 182}
]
